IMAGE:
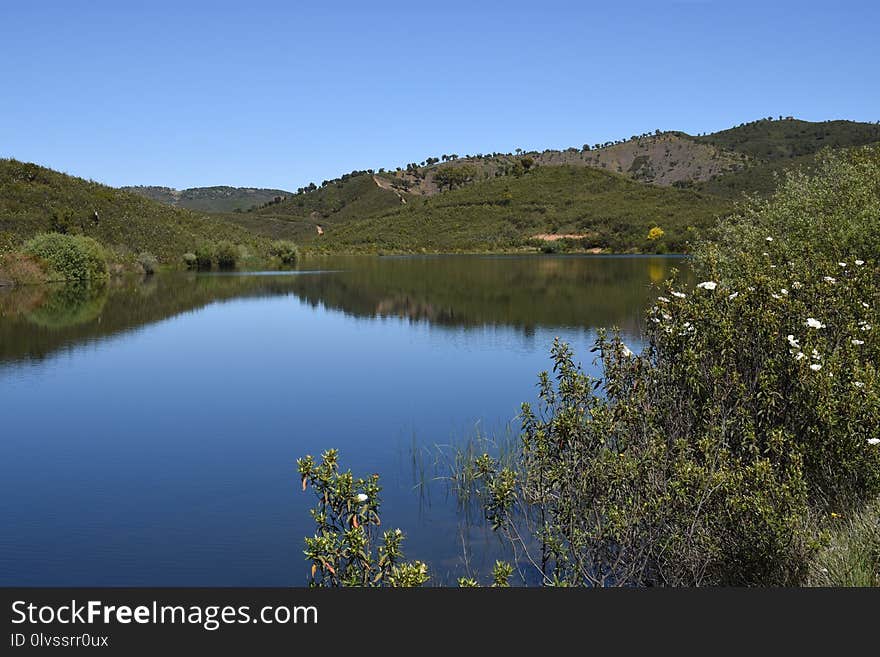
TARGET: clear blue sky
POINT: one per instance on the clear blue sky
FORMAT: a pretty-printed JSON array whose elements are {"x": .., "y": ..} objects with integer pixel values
[{"x": 277, "y": 94}]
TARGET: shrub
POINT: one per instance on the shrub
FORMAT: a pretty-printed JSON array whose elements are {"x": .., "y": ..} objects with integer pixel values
[
  {"x": 148, "y": 262},
  {"x": 750, "y": 418},
  {"x": 69, "y": 257},
  {"x": 226, "y": 254},
  {"x": 190, "y": 260},
  {"x": 655, "y": 233},
  {"x": 285, "y": 251},
  {"x": 7, "y": 242},
  {"x": 833, "y": 214},
  {"x": 205, "y": 254},
  {"x": 347, "y": 519}
]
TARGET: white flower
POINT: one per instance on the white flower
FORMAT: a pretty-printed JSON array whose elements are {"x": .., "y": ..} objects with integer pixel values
[
  {"x": 775, "y": 296},
  {"x": 784, "y": 291},
  {"x": 799, "y": 356},
  {"x": 816, "y": 355},
  {"x": 866, "y": 327},
  {"x": 858, "y": 342},
  {"x": 842, "y": 264},
  {"x": 860, "y": 262},
  {"x": 858, "y": 384},
  {"x": 829, "y": 279},
  {"x": 865, "y": 305},
  {"x": 667, "y": 316},
  {"x": 679, "y": 295},
  {"x": 797, "y": 285},
  {"x": 772, "y": 266},
  {"x": 769, "y": 239},
  {"x": 815, "y": 367},
  {"x": 361, "y": 497},
  {"x": 766, "y": 254},
  {"x": 708, "y": 285},
  {"x": 793, "y": 341},
  {"x": 813, "y": 323},
  {"x": 656, "y": 320},
  {"x": 663, "y": 299},
  {"x": 733, "y": 296},
  {"x": 750, "y": 288},
  {"x": 874, "y": 441}
]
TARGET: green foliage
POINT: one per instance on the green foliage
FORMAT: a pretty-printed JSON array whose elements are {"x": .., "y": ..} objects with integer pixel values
[
  {"x": 36, "y": 200},
  {"x": 7, "y": 242},
  {"x": 751, "y": 417},
  {"x": 286, "y": 251},
  {"x": 789, "y": 138},
  {"x": 190, "y": 260},
  {"x": 148, "y": 262},
  {"x": 831, "y": 215},
  {"x": 610, "y": 210},
  {"x": 347, "y": 524},
  {"x": 69, "y": 257},
  {"x": 451, "y": 177},
  {"x": 205, "y": 255},
  {"x": 226, "y": 255},
  {"x": 211, "y": 199}
]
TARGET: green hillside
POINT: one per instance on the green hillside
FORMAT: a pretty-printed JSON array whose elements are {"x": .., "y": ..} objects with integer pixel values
[
  {"x": 210, "y": 199},
  {"x": 34, "y": 199},
  {"x": 602, "y": 210},
  {"x": 760, "y": 178},
  {"x": 296, "y": 218},
  {"x": 768, "y": 139}
]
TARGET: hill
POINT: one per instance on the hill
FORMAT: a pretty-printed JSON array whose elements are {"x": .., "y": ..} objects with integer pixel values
[
  {"x": 210, "y": 199},
  {"x": 35, "y": 199},
  {"x": 585, "y": 207},
  {"x": 770, "y": 139},
  {"x": 353, "y": 196}
]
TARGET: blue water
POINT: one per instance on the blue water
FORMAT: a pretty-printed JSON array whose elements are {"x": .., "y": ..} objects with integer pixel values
[{"x": 164, "y": 453}]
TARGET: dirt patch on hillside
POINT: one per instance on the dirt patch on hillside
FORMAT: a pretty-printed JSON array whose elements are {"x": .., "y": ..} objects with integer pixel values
[
  {"x": 552, "y": 237},
  {"x": 382, "y": 183}
]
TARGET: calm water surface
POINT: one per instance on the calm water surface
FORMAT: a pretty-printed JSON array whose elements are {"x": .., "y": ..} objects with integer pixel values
[{"x": 149, "y": 431}]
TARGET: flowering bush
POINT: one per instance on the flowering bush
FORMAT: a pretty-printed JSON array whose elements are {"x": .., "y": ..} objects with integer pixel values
[
  {"x": 347, "y": 519},
  {"x": 752, "y": 416}
]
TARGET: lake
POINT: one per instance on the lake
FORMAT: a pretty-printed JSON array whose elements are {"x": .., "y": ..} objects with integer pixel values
[{"x": 150, "y": 428}]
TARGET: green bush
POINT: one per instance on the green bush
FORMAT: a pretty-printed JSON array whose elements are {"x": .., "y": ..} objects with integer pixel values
[
  {"x": 833, "y": 214},
  {"x": 347, "y": 519},
  {"x": 69, "y": 257},
  {"x": 226, "y": 254},
  {"x": 148, "y": 262},
  {"x": 190, "y": 260},
  {"x": 287, "y": 252},
  {"x": 205, "y": 254},
  {"x": 752, "y": 416}
]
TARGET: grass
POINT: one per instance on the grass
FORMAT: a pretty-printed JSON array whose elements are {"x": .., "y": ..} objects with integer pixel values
[{"x": 852, "y": 555}]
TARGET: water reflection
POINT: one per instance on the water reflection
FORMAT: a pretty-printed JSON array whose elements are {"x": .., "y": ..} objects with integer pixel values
[{"x": 454, "y": 291}]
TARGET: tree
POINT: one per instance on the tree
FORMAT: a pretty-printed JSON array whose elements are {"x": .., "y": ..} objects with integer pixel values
[{"x": 451, "y": 177}]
